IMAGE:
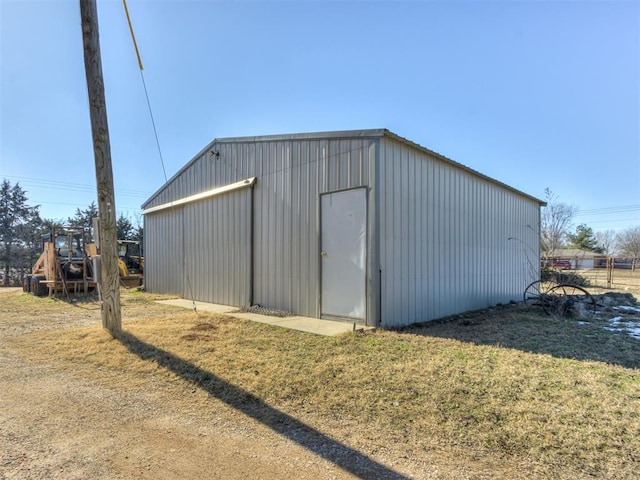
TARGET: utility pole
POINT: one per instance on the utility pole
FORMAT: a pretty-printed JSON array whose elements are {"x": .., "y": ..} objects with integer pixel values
[{"x": 110, "y": 280}]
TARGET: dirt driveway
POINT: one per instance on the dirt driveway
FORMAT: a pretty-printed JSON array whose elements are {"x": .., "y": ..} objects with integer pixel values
[{"x": 61, "y": 424}]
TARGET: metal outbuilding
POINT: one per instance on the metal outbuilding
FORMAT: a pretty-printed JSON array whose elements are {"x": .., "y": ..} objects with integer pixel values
[{"x": 359, "y": 225}]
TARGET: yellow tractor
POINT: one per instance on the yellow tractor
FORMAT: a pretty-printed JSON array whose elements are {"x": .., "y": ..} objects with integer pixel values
[
  {"x": 69, "y": 265},
  {"x": 130, "y": 263},
  {"x": 63, "y": 266}
]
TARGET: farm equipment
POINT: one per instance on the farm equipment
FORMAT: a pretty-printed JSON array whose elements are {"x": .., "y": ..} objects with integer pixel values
[
  {"x": 560, "y": 299},
  {"x": 69, "y": 265},
  {"x": 130, "y": 263},
  {"x": 64, "y": 266}
]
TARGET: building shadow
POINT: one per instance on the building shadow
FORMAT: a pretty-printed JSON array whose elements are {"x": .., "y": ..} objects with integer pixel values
[
  {"x": 515, "y": 326},
  {"x": 289, "y": 427}
]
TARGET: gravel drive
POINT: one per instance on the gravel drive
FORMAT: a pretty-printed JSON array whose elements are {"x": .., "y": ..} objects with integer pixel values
[{"x": 57, "y": 424}]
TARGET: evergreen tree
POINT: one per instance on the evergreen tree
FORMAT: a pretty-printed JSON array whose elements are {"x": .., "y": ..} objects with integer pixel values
[
  {"x": 18, "y": 222},
  {"x": 584, "y": 239},
  {"x": 124, "y": 227},
  {"x": 138, "y": 234},
  {"x": 84, "y": 219}
]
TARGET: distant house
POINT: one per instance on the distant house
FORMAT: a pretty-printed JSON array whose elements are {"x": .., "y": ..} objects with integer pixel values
[
  {"x": 580, "y": 259},
  {"x": 362, "y": 225}
]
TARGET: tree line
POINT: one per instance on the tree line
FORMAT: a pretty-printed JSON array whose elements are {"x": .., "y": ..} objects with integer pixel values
[
  {"x": 22, "y": 229},
  {"x": 556, "y": 233}
]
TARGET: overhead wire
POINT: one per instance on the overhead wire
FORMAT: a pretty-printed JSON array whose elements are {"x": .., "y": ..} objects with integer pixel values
[
  {"x": 615, "y": 214},
  {"x": 79, "y": 187},
  {"x": 144, "y": 85},
  {"x": 603, "y": 209},
  {"x": 609, "y": 210},
  {"x": 155, "y": 132},
  {"x": 40, "y": 202}
]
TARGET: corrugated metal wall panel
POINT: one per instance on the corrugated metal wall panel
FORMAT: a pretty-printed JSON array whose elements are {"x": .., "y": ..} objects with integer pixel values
[
  {"x": 291, "y": 174},
  {"x": 212, "y": 262},
  {"x": 450, "y": 241},
  {"x": 217, "y": 266},
  {"x": 439, "y": 231},
  {"x": 163, "y": 253}
]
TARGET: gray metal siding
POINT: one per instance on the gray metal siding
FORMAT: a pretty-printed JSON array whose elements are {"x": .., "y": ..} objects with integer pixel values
[
  {"x": 449, "y": 241},
  {"x": 163, "y": 250},
  {"x": 442, "y": 238},
  {"x": 219, "y": 249},
  {"x": 291, "y": 174},
  {"x": 212, "y": 262}
]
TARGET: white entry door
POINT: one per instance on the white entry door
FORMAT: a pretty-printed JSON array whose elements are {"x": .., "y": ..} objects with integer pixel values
[{"x": 344, "y": 253}]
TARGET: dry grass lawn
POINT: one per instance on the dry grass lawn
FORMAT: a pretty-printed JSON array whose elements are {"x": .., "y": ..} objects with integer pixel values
[
  {"x": 623, "y": 280},
  {"x": 517, "y": 392}
]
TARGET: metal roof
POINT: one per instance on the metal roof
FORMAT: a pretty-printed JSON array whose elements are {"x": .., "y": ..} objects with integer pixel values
[{"x": 367, "y": 133}]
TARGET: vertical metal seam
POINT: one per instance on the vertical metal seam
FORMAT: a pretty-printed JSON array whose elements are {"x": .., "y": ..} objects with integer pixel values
[{"x": 251, "y": 245}]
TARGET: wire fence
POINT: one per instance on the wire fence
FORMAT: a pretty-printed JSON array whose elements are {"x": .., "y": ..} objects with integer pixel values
[{"x": 625, "y": 279}]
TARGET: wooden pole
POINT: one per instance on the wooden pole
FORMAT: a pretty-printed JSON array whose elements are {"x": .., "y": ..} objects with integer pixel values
[{"x": 110, "y": 280}]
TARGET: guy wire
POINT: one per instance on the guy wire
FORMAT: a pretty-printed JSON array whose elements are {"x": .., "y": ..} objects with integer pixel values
[{"x": 155, "y": 132}]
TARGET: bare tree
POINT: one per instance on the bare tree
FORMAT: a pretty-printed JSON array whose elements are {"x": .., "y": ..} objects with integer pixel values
[
  {"x": 556, "y": 220},
  {"x": 606, "y": 239},
  {"x": 628, "y": 243}
]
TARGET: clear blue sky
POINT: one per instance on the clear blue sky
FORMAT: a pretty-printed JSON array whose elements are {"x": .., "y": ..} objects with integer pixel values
[{"x": 535, "y": 94}]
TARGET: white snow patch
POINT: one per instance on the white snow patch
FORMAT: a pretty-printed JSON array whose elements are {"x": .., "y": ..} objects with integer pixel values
[
  {"x": 630, "y": 327},
  {"x": 627, "y": 309}
]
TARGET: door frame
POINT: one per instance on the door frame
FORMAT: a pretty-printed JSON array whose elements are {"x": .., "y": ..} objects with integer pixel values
[{"x": 366, "y": 262}]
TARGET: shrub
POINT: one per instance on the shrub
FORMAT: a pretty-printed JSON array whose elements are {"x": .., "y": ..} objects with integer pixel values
[{"x": 548, "y": 274}]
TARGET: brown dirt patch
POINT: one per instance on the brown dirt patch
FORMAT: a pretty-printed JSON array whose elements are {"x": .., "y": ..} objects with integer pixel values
[{"x": 61, "y": 418}]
